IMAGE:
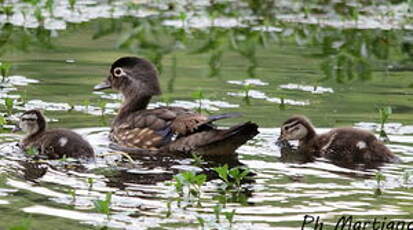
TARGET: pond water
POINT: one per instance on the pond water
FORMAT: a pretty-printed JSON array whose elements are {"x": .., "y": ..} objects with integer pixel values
[{"x": 56, "y": 68}]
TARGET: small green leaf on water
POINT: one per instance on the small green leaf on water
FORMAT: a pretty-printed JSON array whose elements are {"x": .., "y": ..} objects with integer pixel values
[
  {"x": 217, "y": 212},
  {"x": 103, "y": 206},
  {"x": 2, "y": 121},
  {"x": 32, "y": 151},
  {"x": 90, "y": 182},
  {"x": 9, "y": 105},
  {"x": 201, "y": 221},
  {"x": 230, "y": 216}
]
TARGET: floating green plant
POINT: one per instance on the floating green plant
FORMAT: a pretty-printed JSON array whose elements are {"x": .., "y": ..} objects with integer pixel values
[
  {"x": 103, "y": 206},
  {"x": 198, "y": 160},
  {"x": 32, "y": 151},
  {"x": 384, "y": 114},
  {"x": 199, "y": 96},
  {"x": 232, "y": 177},
  {"x": 7, "y": 10},
  {"x": 246, "y": 89},
  {"x": 168, "y": 208},
  {"x": 72, "y": 4},
  {"x": 72, "y": 193},
  {"x": 379, "y": 178},
  {"x": 38, "y": 15},
  {"x": 191, "y": 183},
  {"x": 9, "y": 105},
  {"x": 3, "y": 122},
  {"x": 282, "y": 105},
  {"x": 49, "y": 6},
  {"x": 5, "y": 70},
  {"x": 230, "y": 217},
  {"x": 217, "y": 211},
  {"x": 167, "y": 99},
  {"x": 201, "y": 222},
  {"x": 90, "y": 181}
]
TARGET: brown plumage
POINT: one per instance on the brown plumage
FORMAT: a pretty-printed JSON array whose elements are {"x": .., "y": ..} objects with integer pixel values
[
  {"x": 167, "y": 129},
  {"x": 341, "y": 145},
  {"x": 53, "y": 143}
]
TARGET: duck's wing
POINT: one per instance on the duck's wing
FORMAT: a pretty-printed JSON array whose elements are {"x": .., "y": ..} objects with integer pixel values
[
  {"x": 189, "y": 122},
  {"x": 215, "y": 141},
  {"x": 153, "y": 128}
]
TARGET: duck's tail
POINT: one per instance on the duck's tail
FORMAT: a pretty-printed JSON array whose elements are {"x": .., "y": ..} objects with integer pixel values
[
  {"x": 383, "y": 154},
  {"x": 215, "y": 142},
  {"x": 230, "y": 140}
]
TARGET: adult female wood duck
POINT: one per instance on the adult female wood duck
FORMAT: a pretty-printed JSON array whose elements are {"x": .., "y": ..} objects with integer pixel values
[
  {"x": 167, "y": 129},
  {"x": 341, "y": 145},
  {"x": 53, "y": 143}
]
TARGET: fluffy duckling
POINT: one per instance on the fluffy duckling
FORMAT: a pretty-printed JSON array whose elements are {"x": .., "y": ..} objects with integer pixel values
[
  {"x": 53, "y": 143},
  {"x": 166, "y": 129},
  {"x": 341, "y": 145}
]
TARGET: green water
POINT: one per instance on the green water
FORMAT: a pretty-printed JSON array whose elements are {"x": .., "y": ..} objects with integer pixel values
[
  {"x": 278, "y": 64},
  {"x": 281, "y": 192}
]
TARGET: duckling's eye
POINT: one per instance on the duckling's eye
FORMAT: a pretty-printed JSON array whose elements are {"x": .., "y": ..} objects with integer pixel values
[
  {"x": 28, "y": 119},
  {"x": 118, "y": 72}
]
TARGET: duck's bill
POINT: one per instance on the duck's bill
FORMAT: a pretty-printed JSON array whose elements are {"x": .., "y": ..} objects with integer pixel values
[
  {"x": 16, "y": 129},
  {"x": 281, "y": 142},
  {"x": 102, "y": 86}
]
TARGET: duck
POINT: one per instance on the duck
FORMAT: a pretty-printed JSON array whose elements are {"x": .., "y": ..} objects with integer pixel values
[
  {"x": 51, "y": 143},
  {"x": 137, "y": 129},
  {"x": 345, "y": 145}
]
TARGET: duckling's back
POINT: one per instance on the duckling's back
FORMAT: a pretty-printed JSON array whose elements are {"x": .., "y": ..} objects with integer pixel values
[
  {"x": 355, "y": 146},
  {"x": 57, "y": 143}
]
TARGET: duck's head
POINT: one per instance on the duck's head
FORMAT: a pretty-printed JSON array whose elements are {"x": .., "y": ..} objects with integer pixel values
[
  {"x": 132, "y": 76},
  {"x": 296, "y": 128},
  {"x": 31, "y": 122}
]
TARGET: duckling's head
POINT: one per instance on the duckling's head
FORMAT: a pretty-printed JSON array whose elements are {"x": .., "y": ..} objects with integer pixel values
[
  {"x": 132, "y": 76},
  {"x": 296, "y": 128},
  {"x": 32, "y": 122}
]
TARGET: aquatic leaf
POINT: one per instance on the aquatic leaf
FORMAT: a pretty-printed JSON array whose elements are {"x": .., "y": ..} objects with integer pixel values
[
  {"x": 199, "y": 94},
  {"x": 217, "y": 212},
  {"x": 5, "y": 70},
  {"x": 2, "y": 121},
  {"x": 230, "y": 216},
  {"x": 90, "y": 182},
  {"x": 49, "y": 5},
  {"x": 72, "y": 4},
  {"x": 222, "y": 172},
  {"x": 201, "y": 221},
  {"x": 103, "y": 206},
  {"x": 72, "y": 193},
  {"x": 32, "y": 151}
]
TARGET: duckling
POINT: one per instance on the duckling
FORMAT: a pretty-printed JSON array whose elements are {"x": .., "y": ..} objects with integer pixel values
[
  {"x": 137, "y": 129},
  {"x": 53, "y": 143},
  {"x": 341, "y": 145}
]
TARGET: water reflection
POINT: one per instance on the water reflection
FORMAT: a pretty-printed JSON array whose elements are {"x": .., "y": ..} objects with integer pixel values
[{"x": 282, "y": 186}]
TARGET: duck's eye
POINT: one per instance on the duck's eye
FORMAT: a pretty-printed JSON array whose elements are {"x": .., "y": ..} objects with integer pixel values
[{"x": 118, "y": 72}]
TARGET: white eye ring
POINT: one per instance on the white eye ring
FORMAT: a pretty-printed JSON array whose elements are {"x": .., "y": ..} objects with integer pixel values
[{"x": 118, "y": 72}]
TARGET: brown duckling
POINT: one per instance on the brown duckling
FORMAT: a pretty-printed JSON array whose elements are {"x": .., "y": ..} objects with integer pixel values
[
  {"x": 166, "y": 129},
  {"x": 341, "y": 145},
  {"x": 52, "y": 143}
]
